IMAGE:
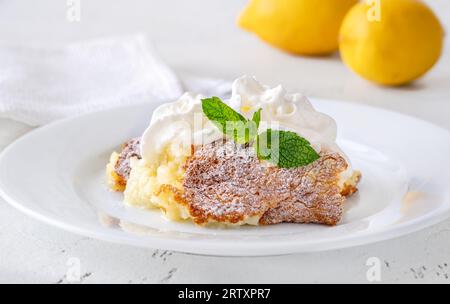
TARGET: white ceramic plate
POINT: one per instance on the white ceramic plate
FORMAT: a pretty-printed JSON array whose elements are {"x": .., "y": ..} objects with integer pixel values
[{"x": 56, "y": 174}]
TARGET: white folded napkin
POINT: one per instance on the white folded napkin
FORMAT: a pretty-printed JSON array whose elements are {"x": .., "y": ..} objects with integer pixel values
[{"x": 41, "y": 84}]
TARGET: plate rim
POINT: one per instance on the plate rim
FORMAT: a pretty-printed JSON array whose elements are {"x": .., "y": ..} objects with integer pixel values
[{"x": 357, "y": 239}]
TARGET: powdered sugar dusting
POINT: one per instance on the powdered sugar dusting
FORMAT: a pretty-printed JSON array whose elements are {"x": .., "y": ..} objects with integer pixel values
[
  {"x": 130, "y": 149},
  {"x": 225, "y": 182}
]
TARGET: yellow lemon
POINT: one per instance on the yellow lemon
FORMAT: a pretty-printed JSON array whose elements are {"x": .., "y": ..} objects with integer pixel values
[
  {"x": 308, "y": 27},
  {"x": 391, "y": 42}
]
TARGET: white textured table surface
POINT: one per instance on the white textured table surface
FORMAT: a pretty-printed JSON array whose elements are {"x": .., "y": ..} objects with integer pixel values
[{"x": 200, "y": 37}]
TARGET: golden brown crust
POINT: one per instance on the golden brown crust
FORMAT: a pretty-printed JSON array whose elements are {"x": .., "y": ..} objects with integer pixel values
[
  {"x": 115, "y": 181},
  {"x": 227, "y": 183},
  {"x": 118, "y": 169},
  {"x": 349, "y": 186},
  {"x": 119, "y": 182},
  {"x": 177, "y": 193},
  {"x": 130, "y": 150},
  {"x": 314, "y": 195}
]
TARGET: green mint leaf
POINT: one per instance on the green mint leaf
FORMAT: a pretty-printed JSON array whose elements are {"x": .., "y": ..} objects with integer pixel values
[
  {"x": 257, "y": 117},
  {"x": 264, "y": 145},
  {"x": 230, "y": 122},
  {"x": 286, "y": 149},
  {"x": 251, "y": 128},
  {"x": 218, "y": 111},
  {"x": 241, "y": 132}
]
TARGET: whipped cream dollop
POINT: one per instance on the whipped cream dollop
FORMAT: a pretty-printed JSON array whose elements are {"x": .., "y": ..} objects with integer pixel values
[
  {"x": 177, "y": 126},
  {"x": 183, "y": 123}
]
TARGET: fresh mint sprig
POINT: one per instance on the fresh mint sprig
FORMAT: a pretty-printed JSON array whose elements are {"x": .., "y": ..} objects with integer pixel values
[
  {"x": 285, "y": 149},
  {"x": 256, "y": 118},
  {"x": 230, "y": 122},
  {"x": 219, "y": 112}
]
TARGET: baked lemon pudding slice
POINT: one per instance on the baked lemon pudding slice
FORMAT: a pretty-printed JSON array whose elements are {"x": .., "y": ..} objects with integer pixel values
[{"x": 262, "y": 157}]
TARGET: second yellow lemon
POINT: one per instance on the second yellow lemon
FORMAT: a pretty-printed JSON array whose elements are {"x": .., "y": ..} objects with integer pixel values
[
  {"x": 392, "y": 42},
  {"x": 308, "y": 27}
]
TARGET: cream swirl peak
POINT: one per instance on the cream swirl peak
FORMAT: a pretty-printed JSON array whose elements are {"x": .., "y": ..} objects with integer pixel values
[
  {"x": 179, "y": 124},
  {"x": 176, "y": 126}
]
